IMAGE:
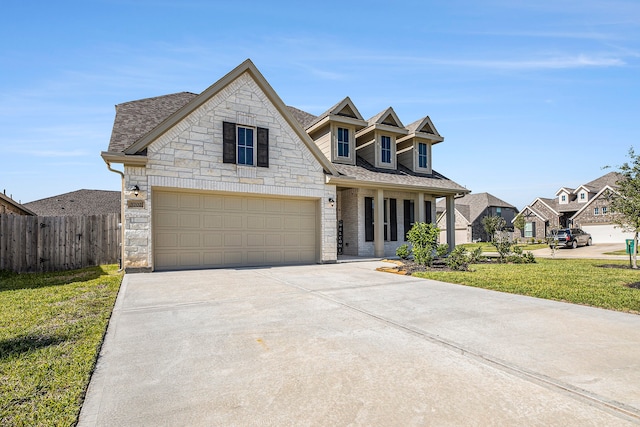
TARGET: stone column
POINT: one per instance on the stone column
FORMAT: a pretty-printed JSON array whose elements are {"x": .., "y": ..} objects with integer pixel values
[
  {"x": 451, "y": 222},
  {"x": 422, "y": 215},
  {"x": 378, "y": 232}
]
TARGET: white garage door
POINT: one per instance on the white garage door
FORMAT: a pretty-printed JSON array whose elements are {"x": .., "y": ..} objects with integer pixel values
[
  {"x": 197, "y": 230},
  {"x": 606, "y": 233}
]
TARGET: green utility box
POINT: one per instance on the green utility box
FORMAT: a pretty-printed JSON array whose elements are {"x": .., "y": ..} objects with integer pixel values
[{"x": 631, "y": 246}]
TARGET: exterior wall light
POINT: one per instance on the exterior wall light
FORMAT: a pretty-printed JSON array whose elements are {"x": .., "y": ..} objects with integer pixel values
[
  {"x": 136, "y": 190},
  {"x": 331, "y": 201}
]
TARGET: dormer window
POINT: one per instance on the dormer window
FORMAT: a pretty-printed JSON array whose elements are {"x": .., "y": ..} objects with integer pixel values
[
  {"x": 582, "y": 196},
  {"x": 422, "y": 155},
  {"x": 385, "y": 147},
  {"x": 563, "y": 198},
  {"x": 343, "y": 142}
]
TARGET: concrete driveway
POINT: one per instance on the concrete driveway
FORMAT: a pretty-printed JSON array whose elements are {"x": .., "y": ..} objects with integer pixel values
[
  {"x": 595, "y": 251},
  {"x": 343, "y": 344}
]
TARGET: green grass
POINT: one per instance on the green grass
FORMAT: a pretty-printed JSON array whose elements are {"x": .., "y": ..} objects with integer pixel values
[
  {"x": 488, "y": 247},
  {"x": 620, "y": 252},
  {"x": 51, "y": 329},
  {"x": 598, "y": 283}
]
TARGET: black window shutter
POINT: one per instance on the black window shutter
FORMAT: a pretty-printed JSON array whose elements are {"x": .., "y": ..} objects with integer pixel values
[
  {"x": 393, "y": 221},
  {"x": 407, "y": 218},
  {"x": 263, "y": 147},
  {"x": 228, "y": 142},
  {"x": 368, "y": 219},
  {"x": 427, "y": 210},
  {"x": 533, "y": 229}
]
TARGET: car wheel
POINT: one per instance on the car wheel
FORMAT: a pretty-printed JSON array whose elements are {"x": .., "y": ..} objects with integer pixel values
[
  {"x": 574, "y": 244},
  {"x": 589, "y": 242}
]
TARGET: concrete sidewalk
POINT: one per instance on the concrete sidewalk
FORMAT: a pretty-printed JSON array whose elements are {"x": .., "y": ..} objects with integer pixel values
[{"x": 345, "y": 345}]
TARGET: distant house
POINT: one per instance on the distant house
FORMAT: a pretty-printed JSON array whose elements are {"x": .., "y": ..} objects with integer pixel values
[
  {"x": 586, "y": 207},
  {"x": 80, "y": 202},
  {"x": 470, "y": 211},
  {"x": 11, "y": 207}
]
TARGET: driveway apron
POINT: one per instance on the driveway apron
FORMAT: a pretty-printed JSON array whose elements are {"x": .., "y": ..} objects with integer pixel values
[{"x": 343, "y": 344}]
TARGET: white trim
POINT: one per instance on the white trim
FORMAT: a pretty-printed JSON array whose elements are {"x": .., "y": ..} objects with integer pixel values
[{"x": 606, "y": 187}]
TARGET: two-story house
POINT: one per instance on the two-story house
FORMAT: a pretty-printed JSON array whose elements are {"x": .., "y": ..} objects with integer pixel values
[
  {"x": 586, "y": 207},
  {"x": 234, "y": 177}
]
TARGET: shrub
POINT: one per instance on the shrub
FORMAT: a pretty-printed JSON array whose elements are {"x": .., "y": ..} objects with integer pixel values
[
  {"x": 457, "y": 259},
  {"x": 442, "y": 250},
  {"x": 424, "y": 239},
  {"x": 476, "y": 256},
  {"x": 403, "y": 251}
]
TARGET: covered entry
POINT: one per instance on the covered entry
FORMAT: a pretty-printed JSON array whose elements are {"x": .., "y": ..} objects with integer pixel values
[{"x": 207, "y": 230}]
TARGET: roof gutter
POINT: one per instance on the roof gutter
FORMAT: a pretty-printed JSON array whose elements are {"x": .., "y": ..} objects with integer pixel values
[{"x": 121, "y": 211}]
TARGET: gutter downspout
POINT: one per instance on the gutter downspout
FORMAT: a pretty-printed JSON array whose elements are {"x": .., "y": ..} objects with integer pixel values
[{"x": 121, "y": 214}]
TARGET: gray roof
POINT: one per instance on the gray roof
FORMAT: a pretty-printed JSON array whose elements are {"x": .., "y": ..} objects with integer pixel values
[
  {"x": 364, "y": 171},
  {"x": 609, "y": 179},
  {"x": 80, "y": 202},
  {"x": 304, "y": 118},
  {"x": 472, "y": 205},
  {"x": 137, "y": 118},
  {"x": 7, "y": 200}
]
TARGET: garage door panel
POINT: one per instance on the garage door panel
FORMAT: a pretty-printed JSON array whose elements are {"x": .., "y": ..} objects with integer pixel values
[
  {"x": 189, "y": 220},
  {"x": 190, "y": 201},
  {"x": 189, "y": 240},
  {"x": 198, "y": 230},
  {"x": 233, "y": 240},
  {"x": 212, "y": 221}
]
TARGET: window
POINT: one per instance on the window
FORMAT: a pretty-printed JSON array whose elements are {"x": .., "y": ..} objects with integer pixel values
[
  {"x": 582, "y": 195},
  {"x": 244, "y": 145},
  {"x": 422, "y": 155},
  {"x": 343, "y": 142},
  {"x": 390, "y": 219},
  {"x": 385, "y": 143},
  {"x": 604, "y": 210},
  {"x": 596, "y": 211},
  {"x": 409, "y": 216},
  {"x": 498, "y": 211},
  {"x": 563, "y": 198},
  {"x": 246, "y": 150},
  {"x": 529, "y": 229}
]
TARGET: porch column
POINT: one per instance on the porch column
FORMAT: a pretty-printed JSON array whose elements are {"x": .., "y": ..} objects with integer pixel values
[
  {"x": 451, "y": 222},
  {"x": 422, "y": 215},
  {"x": 378, "y": 232}
]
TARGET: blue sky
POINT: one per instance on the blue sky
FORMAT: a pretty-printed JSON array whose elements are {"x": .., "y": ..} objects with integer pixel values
[{"x": 529, "y": 95}]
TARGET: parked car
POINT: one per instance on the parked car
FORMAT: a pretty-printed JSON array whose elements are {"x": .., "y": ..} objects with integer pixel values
[{"x": 569, "y": 238}]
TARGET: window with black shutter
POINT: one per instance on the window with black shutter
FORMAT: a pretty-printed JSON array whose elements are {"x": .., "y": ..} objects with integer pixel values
[
  {"x": 238, "y": 145},
  {"x": 393, "y": 220},
  {"x": 427, "y": 210},
  {"x": 409, "y": 217},
  {"x": 368, "y": 219}
]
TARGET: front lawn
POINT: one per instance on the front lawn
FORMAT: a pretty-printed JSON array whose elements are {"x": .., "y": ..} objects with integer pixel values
[
  {"x": 606, "y": 284},
  {"x": 51, "y": 329}
]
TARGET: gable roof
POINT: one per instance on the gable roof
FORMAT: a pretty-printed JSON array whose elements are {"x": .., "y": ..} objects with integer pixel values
[
  {"x": 344, "y": 108},
  {"x": 6, "y": 200},
  {"x": 423, "y": 128},
  {"x": 139, "y": 145},
  {"x": 594, "y": 198},
  {"x": 611, "y": 179},
  {"x": 477, "y": 203},
  {"x": 135, "y": 119},
  {"x": 386, "y": 117},
  {"x": 80, "y": 202}
]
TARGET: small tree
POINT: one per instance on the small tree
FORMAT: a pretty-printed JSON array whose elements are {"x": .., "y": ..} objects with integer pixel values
[
  {"x": 494, "y": 225},
  {"x": 424, "y": 239},
  {"x": 625, "y": 202},
  {"x": 519, "y": 222}
]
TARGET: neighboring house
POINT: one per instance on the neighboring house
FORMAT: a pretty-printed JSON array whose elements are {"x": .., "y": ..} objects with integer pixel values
[
  {"x": 80, "y": 202},
  {"x": 234, "y": 177},
  {"x": 470, "y": 211},
  {"x": 11, "y": 207},
  {"x": 585, "y": 207}
]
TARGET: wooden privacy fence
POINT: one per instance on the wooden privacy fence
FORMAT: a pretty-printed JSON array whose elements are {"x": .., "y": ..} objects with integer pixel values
[{"x": 43, "y": 243}]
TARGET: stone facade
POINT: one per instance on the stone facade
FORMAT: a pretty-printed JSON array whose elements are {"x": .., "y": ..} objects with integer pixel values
[
  {"x": 588, "y": 215},
  {"x": 189, "y": 157}
]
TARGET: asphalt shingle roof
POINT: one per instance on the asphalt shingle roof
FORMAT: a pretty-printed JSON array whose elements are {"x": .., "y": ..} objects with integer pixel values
[
  {"x": 137, "y": 118},
  {"x": 80, "y": 202},
  {"x": 475, "y": 204},
  {"x": 364, "y": 171}
]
